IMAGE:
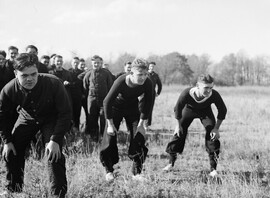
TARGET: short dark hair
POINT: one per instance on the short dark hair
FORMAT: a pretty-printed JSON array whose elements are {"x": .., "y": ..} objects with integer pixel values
[
  {"x": 3, "y": 53},
  {"x": 53, "y": 56},
  {"x": 25, "y": 60},
  {"x": 128, "y": 63},
  {"x": 76, "y": 58},
  {"x": 96, "y": 57},
  {"x": 31, "y": 47},
  {"x": 205, "y": 78},
  {"x": 153, "y": 63},
  {"x": 140, "y": 64},
  {"x": 82, "y": 60},
  {"x": 58, "y": 56},
  {"x": 12, "y": 48},
  {"x": 45, "y": 57}
]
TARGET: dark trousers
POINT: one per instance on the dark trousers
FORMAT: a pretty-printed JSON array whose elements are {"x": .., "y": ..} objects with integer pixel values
[
  {"x": 176, "y": 145},
  {"x": 95, "y": 119},
  {"x": 109, "y": 150},
  {"x": 149, "y": 120},
  {"x": 76, "y": 107},
  {"x": 21, "y": 137}
]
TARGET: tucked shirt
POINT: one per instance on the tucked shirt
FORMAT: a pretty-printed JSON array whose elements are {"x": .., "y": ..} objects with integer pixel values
[
  {"x": 187, "y": 100},
  {"x": 123, "y": 97},
  {"x": 47, "y": 102}
]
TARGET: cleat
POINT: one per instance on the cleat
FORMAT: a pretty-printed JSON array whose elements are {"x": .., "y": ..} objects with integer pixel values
[
  {"x": 109, "y": 177},
  {"x": 168, "y": 167},
  {"x": 213, "y": 173}
]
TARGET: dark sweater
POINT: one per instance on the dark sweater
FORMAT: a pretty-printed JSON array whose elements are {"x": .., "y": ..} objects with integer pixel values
[
  {"x": 156, "y": 81},
  {"x": 123, "y": 97},
  {"x": 185, "y": 100},
  {"x": 46, "y": 102}
]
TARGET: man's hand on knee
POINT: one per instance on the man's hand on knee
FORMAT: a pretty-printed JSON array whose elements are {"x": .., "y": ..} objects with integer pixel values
[
  {"x": 9, "y": 147},
  {"x": 52, "y": 151}
]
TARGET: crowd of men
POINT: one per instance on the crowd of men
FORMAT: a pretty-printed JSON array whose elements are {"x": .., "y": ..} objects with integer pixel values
[
  {"x": 32, "y": 101},
  {"x": 39, "y": 95}
]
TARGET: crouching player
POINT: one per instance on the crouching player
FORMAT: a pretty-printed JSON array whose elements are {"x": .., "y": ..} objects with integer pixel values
[{"x": 194, "y": 103}]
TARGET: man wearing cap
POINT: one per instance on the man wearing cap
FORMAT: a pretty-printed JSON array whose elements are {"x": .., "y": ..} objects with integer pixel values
[
  {"x": 42, "y": 104},
  {"x": 195, "y": 102},
  {"x": 97, "y": 83}
]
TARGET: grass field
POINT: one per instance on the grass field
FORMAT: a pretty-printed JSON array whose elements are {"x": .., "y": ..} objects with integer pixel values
[{"x": 243, "y": 167}]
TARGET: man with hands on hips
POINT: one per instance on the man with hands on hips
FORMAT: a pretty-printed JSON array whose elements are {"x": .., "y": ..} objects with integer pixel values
[{"x": 43, "y": 105}]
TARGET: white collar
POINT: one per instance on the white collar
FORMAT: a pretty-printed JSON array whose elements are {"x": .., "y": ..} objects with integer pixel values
[{"x": 192, "y": 92}]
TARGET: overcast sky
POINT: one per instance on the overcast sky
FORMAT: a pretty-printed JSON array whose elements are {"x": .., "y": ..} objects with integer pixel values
[{"x": 143, "y": 27}]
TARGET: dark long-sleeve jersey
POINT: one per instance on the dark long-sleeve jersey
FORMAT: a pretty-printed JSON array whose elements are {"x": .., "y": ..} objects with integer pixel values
[
  {"x": 123, "y": 97},
  {"x": 47, "y": 102},
  {"x": 156, "y": 81},
  {"x": 76, "y": 88},
  {"x": 6, "y": 74},
  {"x": 185, "y": 99}
]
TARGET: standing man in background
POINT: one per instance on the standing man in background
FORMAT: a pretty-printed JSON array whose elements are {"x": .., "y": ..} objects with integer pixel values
[
  {"x": 6, "y": 71},
  {"x": 154, "y": 77},
  {"x": 12, "y": 53},
  {"x": 76, "y": 91},
  {"x": 127, "y": 69},
  {"x": 97, "y": 83},
  {"x": 31, "y": 49}
]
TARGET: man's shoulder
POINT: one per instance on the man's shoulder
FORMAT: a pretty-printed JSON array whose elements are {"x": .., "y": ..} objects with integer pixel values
[{"x": 48, "y": 77}]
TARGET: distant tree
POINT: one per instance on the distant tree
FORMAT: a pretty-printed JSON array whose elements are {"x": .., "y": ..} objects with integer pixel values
[
  {"x": 199, "y": 64},
  {"x": 175, "y": 69},
  {"x": 225, "y": 72}
]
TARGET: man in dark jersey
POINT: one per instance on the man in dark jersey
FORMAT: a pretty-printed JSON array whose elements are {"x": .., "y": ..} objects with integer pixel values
[
  {"x": 76, "y": 91},
  {"x": 156, "y": 83},
  {"x": 42, "y": 104},
  {"x": 194, "y": 103},
  {"x": 122, "y": 102},
  {"x": 6, "y": 71}
]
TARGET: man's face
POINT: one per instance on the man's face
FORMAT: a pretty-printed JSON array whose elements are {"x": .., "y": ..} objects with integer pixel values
[
  {"x": 2, "y": 60},
  {"x": 28, "y": 77},
  {"x": 13, "y": 53},
  {"x": 151, "y": 68},
  {"x": 97, "y": 63},
  {"x": 31, "y": 51},
  {"x": 58, "y": 62},
  {"x": 138, "y": 76},
  {"x": 205, "y": 89},
  {"x": 45, "y": 61},
  {"x": 81, "y": 65},
  {"x": 75, "y": 63},
  {"x": 127, "y": 68}
]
